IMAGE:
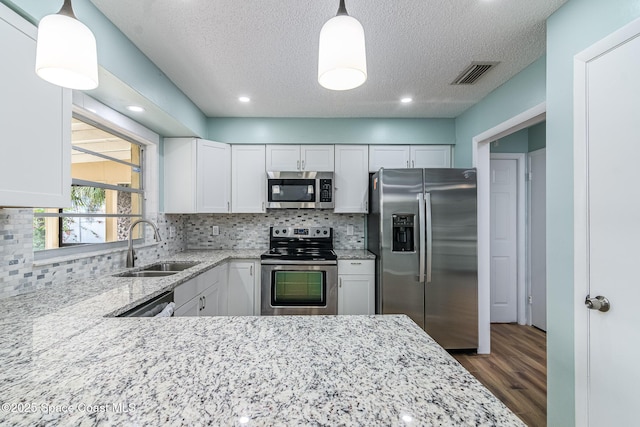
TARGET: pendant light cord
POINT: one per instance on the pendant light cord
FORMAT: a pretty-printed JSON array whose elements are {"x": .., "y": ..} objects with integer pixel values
[
  {"x": 67, "y": 10},
  {"x": 342, "y": 10}
]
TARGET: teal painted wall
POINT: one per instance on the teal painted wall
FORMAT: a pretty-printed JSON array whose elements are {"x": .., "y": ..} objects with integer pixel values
[
  {"x": 124, "y": 60},
  {"x": 573, "y": 28},
  {"x": 318, "y": 131},
  {"x": 517, "y": 142},
  {"x": 524, "y": 91},
  {"x": 537, "y": 136}
]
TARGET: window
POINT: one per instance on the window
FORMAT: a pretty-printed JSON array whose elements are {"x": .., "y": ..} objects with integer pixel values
[{"x": 106, "y": 191}]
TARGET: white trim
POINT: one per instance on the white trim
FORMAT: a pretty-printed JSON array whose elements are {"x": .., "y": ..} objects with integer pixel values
[
  {"x": 535, "y": 153},
  {"x": 480, "y": 150},
  {"x": 521, "y": 252},
  {"x": 581, "y": 212}
]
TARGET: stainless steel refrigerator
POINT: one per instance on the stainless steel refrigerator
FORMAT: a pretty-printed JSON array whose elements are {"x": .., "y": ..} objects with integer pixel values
[{"x": 422, "y": 227}]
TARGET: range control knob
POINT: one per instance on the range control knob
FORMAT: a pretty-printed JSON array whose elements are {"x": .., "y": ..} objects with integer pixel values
[
  {"x": 325, "y": 232},
  {"x": 317, "y": 231},
  {"x": 277, "y": 231},
  {"x": 284, "y": 231}
]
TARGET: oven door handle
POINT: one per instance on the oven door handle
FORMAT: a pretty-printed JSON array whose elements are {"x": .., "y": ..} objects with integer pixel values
[{"x": 293, "y": 262}]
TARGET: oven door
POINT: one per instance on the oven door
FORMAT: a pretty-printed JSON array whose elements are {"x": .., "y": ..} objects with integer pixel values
[{"x": 299, "y": 289}]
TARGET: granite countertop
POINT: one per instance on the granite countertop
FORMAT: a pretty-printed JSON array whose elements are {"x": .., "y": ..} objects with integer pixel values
[
  {"x": 354, "y": 254},
  {"x": 65, "y": 363}
]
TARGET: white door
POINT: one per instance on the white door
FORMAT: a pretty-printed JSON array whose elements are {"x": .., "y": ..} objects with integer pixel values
[
  {"x": 352, "y": 179},
  {"x": 607, "y": 229},
  {"x": 537, "y": 237},
  {"x": 283, "y": 158},
  {"x": 504, "y": 242},
  {"x": 248, "y": 179},
  {"x": 241, "y": 288},
  {"x": 388, "y": 156},
  {"x": 316, "y": 158},
  {"x": 214, "y": 177},
  {"x": 430, "y": 156}
]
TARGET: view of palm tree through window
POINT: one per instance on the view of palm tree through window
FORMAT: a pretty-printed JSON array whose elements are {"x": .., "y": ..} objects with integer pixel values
[{"x": 106, "y": 192}]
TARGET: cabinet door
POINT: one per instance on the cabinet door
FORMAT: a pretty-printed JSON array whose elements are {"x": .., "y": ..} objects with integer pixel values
[
  {"x": 356, "y": 294},
  {"x": 180, "y": 175},
  {"x": 213, "y": 177},
  {"x": 241, "y": 288},
  {"x": 189, "y": 309},
  {"x": 211, "y": 301},
  {"x": 388, "y": 156},
  {"x": 352, "y": 178},
  {"x": 35, "y": 120},
  {"x": 316, "y": 158},
  {"x": 283, "y": 158},
  {"x": 430, "y": 156},
  {"x": 248, "y": 179}
]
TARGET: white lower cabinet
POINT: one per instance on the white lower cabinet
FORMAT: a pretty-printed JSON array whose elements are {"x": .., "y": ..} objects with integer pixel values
[
  {"x": 204, "y": 295},
  {"x": 243, "y": 288},
  {"x": 356, "y": 287}
]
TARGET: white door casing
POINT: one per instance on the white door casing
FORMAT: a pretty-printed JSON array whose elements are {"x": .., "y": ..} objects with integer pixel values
[
  {"x": 537, "y": 238},
  {"x": 504, "y": 244},
  {"x": 606, "y": 228}
]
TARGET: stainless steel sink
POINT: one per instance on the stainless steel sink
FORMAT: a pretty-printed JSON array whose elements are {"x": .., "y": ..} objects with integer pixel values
[
  {"x": 147, "y": 273},
  {"x": 170, "y": 266}
]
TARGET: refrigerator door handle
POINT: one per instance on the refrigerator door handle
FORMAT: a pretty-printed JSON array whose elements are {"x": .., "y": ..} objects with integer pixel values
[
  {"x": 421, "y": 228},
  {"x": 427, "y": 202}
]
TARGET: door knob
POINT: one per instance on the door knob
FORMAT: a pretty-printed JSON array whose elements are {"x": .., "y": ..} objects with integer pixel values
[{"x": 599, "y": 303}]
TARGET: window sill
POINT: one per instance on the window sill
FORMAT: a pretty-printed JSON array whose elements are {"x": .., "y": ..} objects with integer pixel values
[{"x": 47, "y": 259}]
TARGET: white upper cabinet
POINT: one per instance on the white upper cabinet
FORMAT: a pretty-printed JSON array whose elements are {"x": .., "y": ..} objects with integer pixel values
[
  {"x": 248, "y": 179},
  {"x": 351, "y": 178},
  {"x": 317, "y": 158},
  {"x": 35, "y": 120},
  {"x": 197, "y": 176},
  {"x": 409, "y": 156},
  {"x": 430, "y": 156},
  {"x": 288, "y": 158},
  {"x": 388, "y": 156}
]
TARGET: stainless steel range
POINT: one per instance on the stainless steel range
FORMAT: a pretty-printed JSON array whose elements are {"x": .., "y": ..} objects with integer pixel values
[{"x": 299, "y": 272}]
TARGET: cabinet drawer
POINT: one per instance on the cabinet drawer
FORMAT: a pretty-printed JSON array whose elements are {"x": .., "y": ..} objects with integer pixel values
[{"x": 356, "y": 266}]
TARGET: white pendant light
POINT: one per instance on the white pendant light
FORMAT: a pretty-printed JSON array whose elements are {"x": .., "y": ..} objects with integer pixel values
[
  {"x": 342, "y": 61},
  {"x": 66, "y": 51}
]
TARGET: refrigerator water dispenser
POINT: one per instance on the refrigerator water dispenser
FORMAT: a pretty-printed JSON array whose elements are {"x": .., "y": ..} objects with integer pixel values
[{"x": 403, "y": 233}]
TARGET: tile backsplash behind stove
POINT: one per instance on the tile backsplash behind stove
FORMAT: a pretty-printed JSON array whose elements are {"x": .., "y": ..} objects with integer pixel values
[{"x": 251, "y": 231}]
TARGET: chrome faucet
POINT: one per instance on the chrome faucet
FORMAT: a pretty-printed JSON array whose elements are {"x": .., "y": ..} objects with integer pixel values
[{"x": 131, "y": 255}]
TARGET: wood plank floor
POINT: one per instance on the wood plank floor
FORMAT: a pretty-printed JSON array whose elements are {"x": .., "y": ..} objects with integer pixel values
[{"x": 515, "y": 371}]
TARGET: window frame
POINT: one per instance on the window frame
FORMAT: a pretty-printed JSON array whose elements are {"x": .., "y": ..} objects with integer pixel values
[{"x": 83, "y": 248}]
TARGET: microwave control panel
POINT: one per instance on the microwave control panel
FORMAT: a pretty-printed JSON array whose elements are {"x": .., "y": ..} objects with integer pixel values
[{"x": 325, "y": 190}]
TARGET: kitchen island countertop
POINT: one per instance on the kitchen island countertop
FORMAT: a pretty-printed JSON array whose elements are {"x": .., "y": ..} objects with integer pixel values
[{"x": 65, "y": 363}]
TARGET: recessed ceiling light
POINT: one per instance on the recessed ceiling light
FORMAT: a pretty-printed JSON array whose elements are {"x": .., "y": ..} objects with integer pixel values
[
  {"x": 244, "y": 99},
  {"x": 135, "y": 108},
  {"x": 406, "y": 100}
]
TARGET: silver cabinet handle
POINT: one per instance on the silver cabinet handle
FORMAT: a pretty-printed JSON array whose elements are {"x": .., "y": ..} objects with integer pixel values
[
  {"x": 599, "y": 303},
  {"x": 298, "y": 165},
  {"x": 413, "y": 163},
  {"x": 200, "y": 304},
  {"x": 427, "y": 202},
  {"x": 251, "y": 270},
  {"x": 263, "y": 206},
  {"x": 366, "y": 206},
  {"x": 204, "y": 302},
  {"x": 340, "y": 282},
  {"x": 407, "y": 163},
  {"x": 421, "y": 215},
  {"x": 228, "y": 207},
  {"x": 303, "y": 165}
]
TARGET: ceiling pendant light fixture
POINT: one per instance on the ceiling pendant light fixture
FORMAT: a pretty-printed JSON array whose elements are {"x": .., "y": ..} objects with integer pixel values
[
  {"x": 66, "y": 51},
  {"x": 342, "y": 61}
]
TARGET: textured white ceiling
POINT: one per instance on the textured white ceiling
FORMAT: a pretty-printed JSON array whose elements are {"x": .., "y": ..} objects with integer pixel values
[{"x": 217, "y": 50}]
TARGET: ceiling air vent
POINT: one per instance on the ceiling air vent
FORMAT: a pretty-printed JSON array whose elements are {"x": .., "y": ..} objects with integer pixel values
[{"x": 473, "y": 72}]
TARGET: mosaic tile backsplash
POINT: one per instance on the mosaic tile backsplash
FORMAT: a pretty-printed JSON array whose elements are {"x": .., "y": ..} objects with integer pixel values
[
  {"x": 251, "y": 231},
  {"x": 19, "y": 275}
]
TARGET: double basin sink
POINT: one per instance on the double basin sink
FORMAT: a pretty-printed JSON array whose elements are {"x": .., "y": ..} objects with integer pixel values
[{"x": 160, "y": 269}]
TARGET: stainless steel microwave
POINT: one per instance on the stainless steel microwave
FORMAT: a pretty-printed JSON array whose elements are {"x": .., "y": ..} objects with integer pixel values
[{"x": 300, "y": 190}]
